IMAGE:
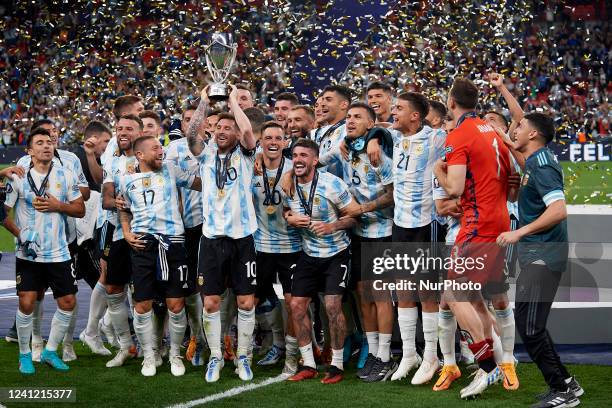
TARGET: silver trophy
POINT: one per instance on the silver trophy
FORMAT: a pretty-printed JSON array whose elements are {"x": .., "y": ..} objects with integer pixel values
[{"x": 220, "y": 55}]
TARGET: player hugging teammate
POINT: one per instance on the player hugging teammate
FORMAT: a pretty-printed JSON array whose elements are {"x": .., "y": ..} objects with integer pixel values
[{"x": 195, "y": 237}]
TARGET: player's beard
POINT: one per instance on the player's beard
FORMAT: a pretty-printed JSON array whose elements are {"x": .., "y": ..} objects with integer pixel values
[{"x": 154, "y": 164}]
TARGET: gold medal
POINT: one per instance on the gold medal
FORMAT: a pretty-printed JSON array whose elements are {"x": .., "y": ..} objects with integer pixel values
[
  {"x": 355, "y": 161},
  {"x": 270, "y": 209},
  {"x": 146, "y": 182},
  {"x": 200, "y": 280},
  {"x": 221, "y": 193}
]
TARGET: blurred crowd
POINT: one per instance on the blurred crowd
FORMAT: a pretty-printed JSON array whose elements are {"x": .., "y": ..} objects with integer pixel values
[{"x": 70, "y": 65}]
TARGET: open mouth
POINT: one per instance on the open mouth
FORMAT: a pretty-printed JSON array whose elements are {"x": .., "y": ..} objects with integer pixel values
[
  {"x": 299, "y": 166},
  {"x": 273, "y": 149},
  {"x": 375, "y": 106}
]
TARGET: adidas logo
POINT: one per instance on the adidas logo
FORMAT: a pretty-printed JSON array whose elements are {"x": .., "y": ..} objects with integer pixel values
[
  {"x": 132, "y": 187},
  {"x": 258, "y": 184},
  {"x": 187, "y": 158}
]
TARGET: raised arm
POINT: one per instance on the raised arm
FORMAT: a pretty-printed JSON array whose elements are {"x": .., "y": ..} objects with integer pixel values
[
  {"x": 247, "y": 138},
  {"x": 497, "y": 80},
  {"x": 195, "y": 142}
]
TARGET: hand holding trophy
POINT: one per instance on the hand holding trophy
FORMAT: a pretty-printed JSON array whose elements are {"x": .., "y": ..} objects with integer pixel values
[{"x": 220, "y": 55}]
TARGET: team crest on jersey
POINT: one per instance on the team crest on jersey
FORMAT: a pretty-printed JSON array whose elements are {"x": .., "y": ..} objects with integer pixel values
[
  {"x": 405, "y": 144},
  {"x": 236, "y": 160},
  {"x": 59, "y": 186},
  {"x": 316, "y": 201},
  {"x": 448, "y": 149},
  {"x": 525, "y": 179},
  {"x": 419, "y": 149},
  {"x": 146, "y": 182},
  {"x": 130, "y": 168},
  {"x": 159, "y": 180}
]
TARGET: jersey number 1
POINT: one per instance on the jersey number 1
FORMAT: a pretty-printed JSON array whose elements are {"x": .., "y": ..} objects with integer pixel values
[{"x": 496, "y": 147}]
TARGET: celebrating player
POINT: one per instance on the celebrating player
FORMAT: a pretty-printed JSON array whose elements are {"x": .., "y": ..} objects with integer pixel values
[{"x": 227, "y": 248}]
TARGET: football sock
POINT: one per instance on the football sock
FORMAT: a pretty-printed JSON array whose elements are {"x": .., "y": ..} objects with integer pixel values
[
  {"x": 37, "y": 317},
  {"x": 372, "y": 338},
  {"x": 143, "y": 326},
  {"x": 484, "y": 355},
  {"x": 212, "y": 328},
  {"x": 118, "y": 312},
  {"x": 275, "y": 321},
  {"x": 338, "y": 358},
  {"x": 59, "y": 326},
  {"x": 24, "y": 330},
  {"x": 291, "y": 345},
  {"x": 505, "y": 322},
  {"x": 308, "y": 356},
  {"x": 384, "y": 347},
  {"x": 407, "y": 320},
  {"x": 447, "y": 325},
  {"x": 430, "y": 333},
  {"x": 193, "y": 307},
  {"x": 69, "y": 336},
  {"x": 97, "y": 307},
  {"x": 246, "y": 325},
  {"x": 177, "y": 323}
]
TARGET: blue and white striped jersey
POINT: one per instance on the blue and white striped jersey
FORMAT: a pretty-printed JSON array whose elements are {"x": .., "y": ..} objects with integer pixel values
[
  {"x": 452, "y": 224},
  {"x": 413, "y": 160},
  {"x": 327, "y": 142},
  {"x": 114, "y": 170},
  {"x": 273, "y": 235},
  {"x": 366, "y": 183},
  {"x": 227, "y": 212},
  {"x": 331, "y": 195},
  {"x": 71, "y": 162},
  {"x": 153, "y": 199},
  {"x": 52, "y": 240},
  {"x": 178, "y": 152}
]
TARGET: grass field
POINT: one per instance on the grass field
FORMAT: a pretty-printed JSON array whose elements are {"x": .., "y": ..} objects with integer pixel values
[{"x": 98, "y": 386}]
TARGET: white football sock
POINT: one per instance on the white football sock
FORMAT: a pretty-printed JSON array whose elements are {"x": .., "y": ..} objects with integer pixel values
[
  {"x": 97, "y": 307},
  {"x": 23, "y": 324},
  {"x": 246, "y": 325},
  {"x": 69, "y": 336},
  {"x": 498, "y": 353},
  {"x": 505, "y": 323},
  {"x": 407, "y": 320},
  {"x": 447, "y": 326},
  {"x": 275, "y": 321},
  {"x": 143, "y": 326},
  {"x": 59, "y": 326},
  {"x": 212, "y": 328},
  {"x": 338, "y": 358},
  {"x": 384, "y": 347},
  {"x": 37, "y": 317},
  {"x": 308, "y": 356},
  {"x": 372, "y": 342},
  {"x": 177, "y": 323},
  {"x": 118, "y": 313},
  {"x": 158, "y": 329},
  {"x": 430, "y": 333},
  {"x": 291, "y": 345},
  {"x": 193, "y": 307}
]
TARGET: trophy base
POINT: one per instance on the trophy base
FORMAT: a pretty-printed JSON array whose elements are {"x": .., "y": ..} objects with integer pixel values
[{"x": 217, "y": 92}]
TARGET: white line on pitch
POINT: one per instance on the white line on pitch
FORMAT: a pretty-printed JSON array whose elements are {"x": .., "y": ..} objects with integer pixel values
[{"x": 229, "y": 393}]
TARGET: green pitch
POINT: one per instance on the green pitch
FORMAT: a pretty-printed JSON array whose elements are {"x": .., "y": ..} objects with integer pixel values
[{"x": 98, "y": 386}]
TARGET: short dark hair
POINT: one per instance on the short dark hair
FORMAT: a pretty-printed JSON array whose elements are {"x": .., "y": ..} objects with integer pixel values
[
  {"x": 36, "y": 132},
  {"x": 365, "y": 106},
  {"x": 271, "y": 124},
  {"x": 256, "y": 117},
  {"x": 132, "y": 117},
  {"x": 138, "y": 142},
  {"x": 287, "y": 96},
  {"x": 343, "y": 91},
  {"x": 95, "y": 126},
  {"x": 228, "y": 116},
  {"x": 500, "y": 115},
  {"x": 543, "y": 123},
  {"x": 306, "y": 143},
  {"x": 309, "y": 111},
  {"x": 380, "y": 85},
  {"x": 40, "y": 122},
  {"x": 439, "y": 107},
  {"x": 465, "y": 93},
  {"x": 417, "y": 101},
  {"x": 214, "y": 112},
  {"x": 151, "y": 115},
  {"x": 123, "y": 101},
  {"x": 189, "y": 108},
  {"x": 246, "y": 88}
]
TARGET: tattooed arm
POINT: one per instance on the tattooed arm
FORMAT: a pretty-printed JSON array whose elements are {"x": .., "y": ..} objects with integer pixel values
[
  {"x": 247, "y": 138},
  {"x": 195, "y": 142}
]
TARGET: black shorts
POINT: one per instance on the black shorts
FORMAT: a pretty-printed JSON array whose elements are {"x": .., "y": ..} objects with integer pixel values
[
  {"x": 328, "y": 275},
  {"x": 88, "y": 263},
  {"x": 227, "y": 263},
  {"x": 421, "y": 235},
  {"x": 147, "y": 276},
  {"x": 192, "y": 246},
  {"x": 269, "y": 266},
  {"x": 356, "y": 258},
  {"x": 37, "y": 276},
  {"x": 119, "y": 263},
  {"x": 104, "y": 239}
]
